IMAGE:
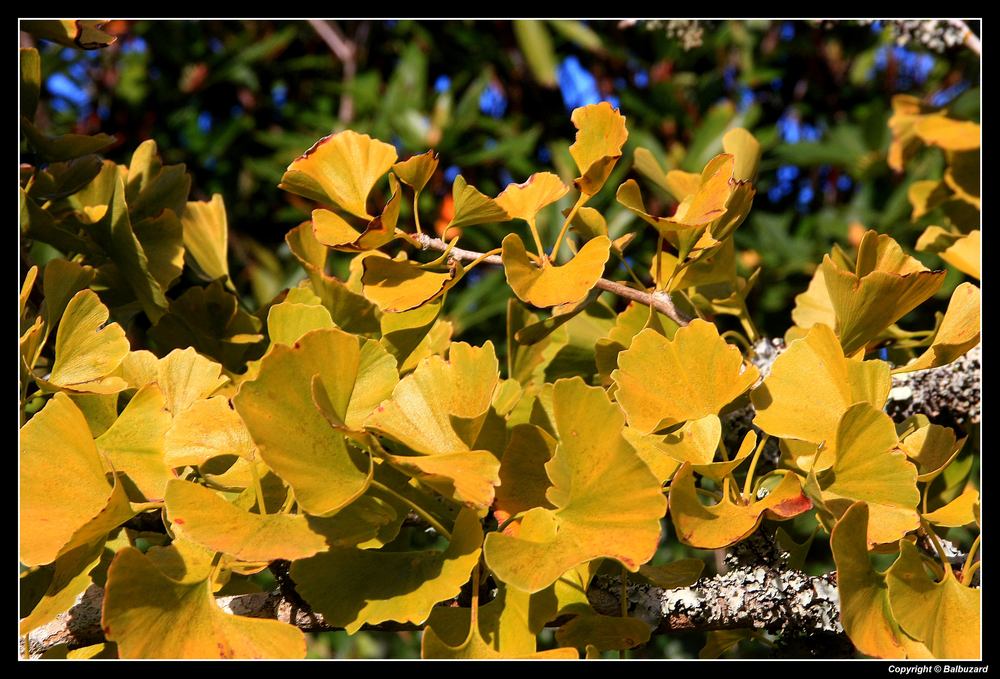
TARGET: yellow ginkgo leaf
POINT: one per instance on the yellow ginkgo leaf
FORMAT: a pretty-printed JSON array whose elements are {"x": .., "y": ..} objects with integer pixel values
[
  {"x": 947, "y": 133},
  {"x": 185, "y": 376},
  {"x": 603, "y": 632},
  {"x": 70, "y": 577},
  {"x": 523, "y": 480},
  {"x": 208, "y": 428},
  {"x": 335, "y": 232},
  {"x": 682, "y": 184},
  {"x": 352, "y": 587},
  {"x": 312, "y": 457},
  {"x": 931, "y": 447},
  {"x": 149, "y": 615},
  {"x": 134, "y": 444},
  {"x": 63, "y": 484},
  {"x": 206, "y": 237},
  {"x": 745, "y": 149},
  {"x": 524, "y": 201},
  {"x": 341, "y": 168},
  {"x": 553, "y": 285},
  {"x": 729, "y": 521},
  {"x": 473, "y": 207},
  {"x": 965, "y": 254},
  {"x": 958, "y": 332},
  {"x": 864, "y": 597},
  {"x": 607, "y": 502},
  {"x": 814, "y": 306},
  {"x": 696, "y": 441},
  {"x": 907, "y": 110},
  {"x": 647, "y": 165},
  {"x": 811, "y": 386},
  {"x": 417, "y": 170},
  {"x": 400, "y": 285},
  {"x": 664, "y": 382},
  {"x": 600, "y": 136},
  {"x": 86, "y": 353},
  {"x": 298, "y": 314},
  {"x": 203, "y": 516},
  {"x": 962, "y": 511},
  {"x": 943, "y": 614},
  {"x": 870, "y": 467},
  {"x": 885, "y": 286}
]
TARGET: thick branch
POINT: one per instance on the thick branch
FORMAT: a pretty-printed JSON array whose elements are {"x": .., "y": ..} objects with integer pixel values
[{"x": 658, "y": 300}]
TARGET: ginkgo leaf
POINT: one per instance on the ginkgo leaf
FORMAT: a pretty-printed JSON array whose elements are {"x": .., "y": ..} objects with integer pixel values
[
  {"x": 134, "y": 444},
  {"x": 958, "y": 332},
  {"x": 962, "y": 511},
  {"x": 729, "y": 521},
  {"x": 608, "y": 503},
  {"x": 680, "y": 573},
  {"x": 152, "y": 616},
  {"x": 473, "y": 207},
  {"x": 335, "y": 232},
  {"x": 417, "y": 170},
  {"x": 965, "y": 254},
  {"x": 86, "y": 353},
  {"x": 600, "y": 136},
  {"x": 205, "y": 517},
  {"x": 404, "y": 332},
  {"x": 523, "y": 480},
  {"x": 208, "y": 428},
  {"x": 814, "y": 305},
  {"x": 352, "y": 587},
  {"x": 503, "y": 629},
  {"x": 907, "y": 110},
  {"x": 62, "y": 280},
  {"x": 931, "y": 447},
  {"x": 467, "y": 477},
  {"x": 524, "y": 201},
  {"x": 886, "y": 285},
  {"x": 664, "y": 382},
  {"x": 870, "y": 467},
  {"x": 651, "y": 450},
  {"x": 811, "y": 386},
  {"x": 553, "y": 285},
  {"x": 70, "y": 577},
  {"x": 206, "y": 237},
  {"x": 400, "y": 285},
  {"x": 864, "y": 597},
  {"x": 745, "y": 150},
  {"x": 947, "y": 133},
  {"x": 312, "y": 457},
  {"x": 185, "y": 376},
  {"x": 63, "y": 484},
  {"x": 342, "y": 168},
  {"x": 646, "y": 164},
  {"x": 942, "y": 614},
  {"x": 604, "y": 632},
  {"x": 475, "y": 646},
  {"x": 290, "y": 320}
]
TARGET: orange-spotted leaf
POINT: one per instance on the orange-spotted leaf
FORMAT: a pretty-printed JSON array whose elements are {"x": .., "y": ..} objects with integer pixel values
[
  {"x": 600, "y": 136},
  {"x": 208, "y": 519},
  {"x": 352, "y": 587},
  {"x": 607, "y": 502},
  {"x": 553, "y": 285},
  {"x": 664, "y": 382},
  {"x": 472, "y": 206},
  {"x": 942, "y": 613},
  {"x": 341, "y": 168},
  {"x": 150, "y": 615},
  {"x": 864, "y": 597}
]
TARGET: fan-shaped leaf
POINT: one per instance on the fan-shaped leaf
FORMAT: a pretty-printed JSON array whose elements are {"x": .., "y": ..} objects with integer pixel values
[
  {"x": 553, "y": 285},
  {"x": 417, "y": 170},
  {"x": 400, "y": 285},
  {"x": 524, "y": 201},
  {"x": 206, "y": 237},
  {"x": 959, "y": 331},
  {"x": 600, "y": 136},
  {"x": 86, "y": 353},
  {"x": 134, "y": 444},
  {"x": 473, "y": 207}
]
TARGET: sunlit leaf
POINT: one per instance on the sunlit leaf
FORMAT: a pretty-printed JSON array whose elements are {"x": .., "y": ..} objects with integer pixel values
[
  {"x": 208, "y": 428},
  {"x": 525, "y": 200},
  {"x": 947, "y": 133},
  {"x": 864, "y": 597},
  {"x": 729, "y": 521},
  {"x": 608, "y": 503},
  {"x": 417, "y": 170},
  {"x": 400, "y": 285},
  {"x": 152, "y": 616},
  {"x": 185, "y": 376},
  {"x": 942, "y": 613},
  {"x": 962, "y": 511},
  {"x": 313, "y": 457},
  {"x": 84, "y": 34},
  {"x": 931, "y": 447},
  {"x": 206, "y": 518},
  {"x": 552, "y": 285},
  {"x": 206, "y": 237},
  {"x": 342, "y": 168},
  {"x": 134, "y": 444},
  {"x": 663, "y": 382},
  {"x": 86, "y": 353},
  {"x": 473, "y": 207},
  {"x": 334, "y": 231},
  {"x": 352, "y": 587},
  {"x": 958, "y": 332},
  {"x": 600, "y": 136},
  {"x": 745, "y": 149},
  {"x": 70, "y": 577},
  {"x": 503, "y": 629}
]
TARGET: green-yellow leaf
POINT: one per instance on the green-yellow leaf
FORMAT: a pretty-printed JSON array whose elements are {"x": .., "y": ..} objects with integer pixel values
[
  {"x": 150, "y": 615},
  {"x": 87, "y": 350},
  {"x": 417, "y": 170},
  {"x": 603, "y": 632},
  {"x": 607, "y": 502},
  {"x": 352, "y": 587},
  {"x": 206, "y": 237},
  {"x": 600, "y": 136},
  {"x": 473, "y": 207}
]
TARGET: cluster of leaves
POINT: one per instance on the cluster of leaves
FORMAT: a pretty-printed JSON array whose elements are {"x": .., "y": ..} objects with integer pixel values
[{"x": 310, "y": 430}]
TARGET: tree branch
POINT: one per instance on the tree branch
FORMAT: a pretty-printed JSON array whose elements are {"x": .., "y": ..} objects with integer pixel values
[
  {"x": 658, "y": 300},
  {"x": 346, "y": 52}
]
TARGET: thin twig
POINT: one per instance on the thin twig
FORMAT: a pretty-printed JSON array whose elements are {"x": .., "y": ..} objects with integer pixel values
[
  {"x": 659, "y": 300},
  {"x": 346, "y": 51}
]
